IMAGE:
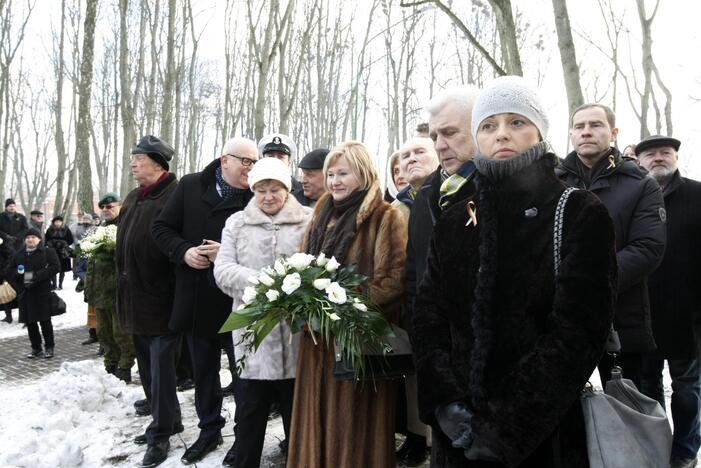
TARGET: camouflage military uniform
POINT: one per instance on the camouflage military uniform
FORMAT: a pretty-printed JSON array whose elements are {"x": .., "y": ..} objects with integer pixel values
[{"x": 101, "y": 292}]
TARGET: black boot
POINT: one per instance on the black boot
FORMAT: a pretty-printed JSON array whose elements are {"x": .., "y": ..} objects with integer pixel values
[
  {"x": 155, "y": 454},
  {"x": 123, "y": 374},
  {"x": 111, "y": 369},
  {"x": 49, "y": 353},
  {"x": 413, "y": 451},
  {"x": 8, "y": 316},
  {"x": 36, "y": 353},
  {"x": 92, "y": 338}
]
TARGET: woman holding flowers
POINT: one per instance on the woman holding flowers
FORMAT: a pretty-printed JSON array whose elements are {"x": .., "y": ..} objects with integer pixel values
[
  {"x": 271, "y": 225},
  {"x": 341, "y": 423}
]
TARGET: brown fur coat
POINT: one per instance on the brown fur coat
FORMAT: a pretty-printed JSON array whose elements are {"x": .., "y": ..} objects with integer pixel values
[{"x": 339, "y": 424}]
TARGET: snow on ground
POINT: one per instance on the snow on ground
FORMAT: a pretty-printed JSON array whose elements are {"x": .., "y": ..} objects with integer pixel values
[
  {"x": 76, "y": 312},
  {"x": 81, "y": 416}
]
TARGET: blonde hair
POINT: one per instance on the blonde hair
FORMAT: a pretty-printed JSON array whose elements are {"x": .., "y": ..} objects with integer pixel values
[{"x": 358, "y": 157}]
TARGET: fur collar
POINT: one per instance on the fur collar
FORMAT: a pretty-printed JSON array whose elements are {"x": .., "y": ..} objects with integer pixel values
[{"x": 292, "y": 212}]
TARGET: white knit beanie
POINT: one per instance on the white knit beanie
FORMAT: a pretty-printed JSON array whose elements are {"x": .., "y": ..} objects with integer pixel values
[
  {"x": 270, "y": 169},
  {"x": 510, "y": 94}
]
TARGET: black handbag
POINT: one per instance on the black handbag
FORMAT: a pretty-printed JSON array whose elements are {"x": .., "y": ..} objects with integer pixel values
[
  {"x": 624, "y": 428},
  {"x": 380, "y": 365},
  {"x": 57, "y": 305}
]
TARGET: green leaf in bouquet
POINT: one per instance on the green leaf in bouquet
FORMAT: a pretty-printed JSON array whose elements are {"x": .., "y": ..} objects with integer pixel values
[{"x": 240, "y": 319}]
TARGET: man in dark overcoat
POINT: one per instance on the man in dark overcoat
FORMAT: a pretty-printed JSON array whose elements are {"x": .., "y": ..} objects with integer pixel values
[
  {"x": 188, "y": 231},
  {"x": 675, "y": 300},
  {"x": 145, "y": 289},
  {"x": 13, "y": 224},
  {"x": 635, "y": 204}
]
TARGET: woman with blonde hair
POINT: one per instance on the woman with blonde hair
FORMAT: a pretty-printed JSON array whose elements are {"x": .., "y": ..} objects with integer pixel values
[{"x": 340, "y": 423}]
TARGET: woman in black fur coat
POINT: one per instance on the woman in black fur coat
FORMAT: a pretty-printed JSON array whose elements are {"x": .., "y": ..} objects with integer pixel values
[{"x": 503, "y": 347}]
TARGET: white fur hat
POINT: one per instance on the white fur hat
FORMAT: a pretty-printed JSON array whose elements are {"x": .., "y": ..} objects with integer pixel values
[
  {"x": 510, "y": 94},
  {"x": 270, "y": 169}
]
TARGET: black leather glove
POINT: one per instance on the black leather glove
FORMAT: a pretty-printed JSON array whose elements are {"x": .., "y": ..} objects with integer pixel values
[{"x": 455, "y": 421}]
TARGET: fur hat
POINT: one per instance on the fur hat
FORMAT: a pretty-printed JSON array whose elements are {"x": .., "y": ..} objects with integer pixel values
[
  {"x": 510, "y": 94},
  {"x": 270, "y": 169},
  {"x": 9, "y": 202},
  {"x": 156, "y": 149}
]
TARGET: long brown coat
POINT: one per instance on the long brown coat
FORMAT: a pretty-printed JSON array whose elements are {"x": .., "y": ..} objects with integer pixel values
[{"x": 339, "y": 424}]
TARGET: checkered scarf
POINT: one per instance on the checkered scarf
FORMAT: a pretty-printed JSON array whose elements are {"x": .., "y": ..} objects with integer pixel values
[{"x": 452, "y": 184}]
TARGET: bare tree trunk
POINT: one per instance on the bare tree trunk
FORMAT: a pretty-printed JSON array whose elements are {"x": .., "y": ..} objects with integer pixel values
[
  {"x": 82, "y": 131},
  {"x": 570, "y": 68},
  {"x": 126, "y": 107},
  {"x": 167, "y": 108},
  {"x": 61, "y": 153},
  {"x": 507, "y": 35}
]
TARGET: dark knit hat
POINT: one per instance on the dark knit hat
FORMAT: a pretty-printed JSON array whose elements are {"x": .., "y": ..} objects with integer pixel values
[
  {"x": 314, "y": 159},
  {"x": 9, "y": 202},
  {"x": 655, "y": 141},
  {"x": 109, "y": 197},
  {"x": 32, "y": 232},
  {"x": 156, "y": 149},
  {"x": 57, "y": 218},
  {"x": 36, "y": 212}
]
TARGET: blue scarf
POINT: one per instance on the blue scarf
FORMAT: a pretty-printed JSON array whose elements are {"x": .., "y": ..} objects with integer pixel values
[{"x": 226, "y": 189}]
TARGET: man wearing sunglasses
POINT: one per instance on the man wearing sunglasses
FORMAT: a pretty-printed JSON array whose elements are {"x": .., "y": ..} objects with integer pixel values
[{"x": 188, "y": 231}]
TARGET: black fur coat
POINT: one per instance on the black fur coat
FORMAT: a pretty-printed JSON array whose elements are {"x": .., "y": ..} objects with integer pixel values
[{"x": 493, "y": 328}]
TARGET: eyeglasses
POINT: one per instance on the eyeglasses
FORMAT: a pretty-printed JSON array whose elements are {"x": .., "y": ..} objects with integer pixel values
[
  {"x": 244, "y": 161},
  {"x": 107, "y": 207}
]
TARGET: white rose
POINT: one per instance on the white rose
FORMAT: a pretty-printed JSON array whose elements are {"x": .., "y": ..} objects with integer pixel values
[
  {"x": 279, "y": 268},
  {"x": 300, "y": 261},
  {"x": 321, "y": 283},
  {"x": 291, "y": 283},
  {"x": 360, "y": 306},
  {"x": 265, "y": 279},
  {"x": 336, "y": 293},
  {"x": 241, "y": 307},
  {"x": 321, "y": 259},
  {"x": 272, "y": 295},
  {"x": 334, "y": 316},
  {"x": 249, "y": 293},
  {"x": 332, "y": 265},
  {"x": 253, "y": 279}
]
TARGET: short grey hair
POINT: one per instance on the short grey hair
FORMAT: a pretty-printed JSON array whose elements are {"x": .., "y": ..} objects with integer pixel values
[
  {"x": 463, "y": 96},
  {"x": 231, "y": 144}
]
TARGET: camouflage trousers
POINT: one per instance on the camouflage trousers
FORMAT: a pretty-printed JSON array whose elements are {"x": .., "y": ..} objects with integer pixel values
[{"x": 118, "y": 346}]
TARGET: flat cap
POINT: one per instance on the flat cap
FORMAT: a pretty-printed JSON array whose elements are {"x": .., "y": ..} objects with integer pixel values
[
  {"x": 156, "y": 149},
  {"x": 314, "y": 159},
  {"x": 655, "y": 141}
]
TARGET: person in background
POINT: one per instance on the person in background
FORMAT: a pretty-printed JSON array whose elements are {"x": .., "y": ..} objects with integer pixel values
[
  {"x": 13, "y": 224},
  {"x": 80, "y": 267},
  {"x": 675, "y": 303},
  {"x": 31, "y": 271},
  {"x": 274, "y": 219},
  {"x": 422, "y": 130},
  {"x": 395, "y": 181},
  {"x": 313, "y": 185},
  {"x": 341, "y": 424},
  {"x": 282, "y": 147},
  {"x": 630, "y": 153},
  {"x": 60, "y": 238},
  {"x": 36, "y": 220},
  {"x": 96, "y": 219},
  {"x": 6, "y": 256}
]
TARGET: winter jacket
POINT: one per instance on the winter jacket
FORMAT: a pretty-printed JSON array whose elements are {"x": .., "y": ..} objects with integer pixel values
[
  {"x": 341, "y": 424},
  {"x": 14, "y": 226},
  {"x": 494, "y": 328},
  {"x": 34, "y": 298},
  {"x": 635, "y": 204},
  {"x": 252, "y": 240},
  {"x": 298, "y": 192},
  {"x": 195, "y": 212},
  {"x": 145, "y": 278},
  {"x": 7, "y": 254},
  {"x": 425, "y": 212},
  {"x": 60, "y": 239},
  {"x": 101, "y": 278},
  {"x": 675, "y": 297}
]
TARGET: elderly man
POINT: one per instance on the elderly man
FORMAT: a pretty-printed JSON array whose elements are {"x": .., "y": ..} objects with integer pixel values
[
  {"x": 188, "y": 231},
  {"x": 675, "y": 303},
  {"x": 36, "y": 220},
  {"x": 280, "y": 146},
  {"x": 13, "y": 224},
  {"x": 450, "y": 114},
  {"x": 635, "y": 204},
  {"x": 145, "y": 290},
  {"x": 101, "y": 293},
  {"x": 313, "y": 183}
]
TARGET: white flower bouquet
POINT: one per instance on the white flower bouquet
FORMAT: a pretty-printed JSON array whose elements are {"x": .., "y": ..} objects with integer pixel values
[
  {"x": 102, "y": 240},
  {"x": 313, "y": 292}
]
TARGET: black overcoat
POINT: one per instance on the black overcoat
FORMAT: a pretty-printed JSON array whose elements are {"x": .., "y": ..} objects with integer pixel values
[
  {"x": 493, "y": 328},
  {"x": 675, "y": 295},
  {"x": 145, "y": 278},
  {"x": 34, "y": 303},
  {"x": 14, "y": 225},
  {"x": 60, "y": 239},
  {"x": 195, "y": 212},
  {"x": 636, "y": 206}
]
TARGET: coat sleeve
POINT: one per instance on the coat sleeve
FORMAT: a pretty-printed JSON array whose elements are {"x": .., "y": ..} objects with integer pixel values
[
  {"x": 231, "y": 277},
  {"x": 647, "y": 236},
  {"x": 167, "y": 227},
  {"x": 535, "y": 395},
  {"x": 50, "y": 270},
  {"x": 409, "y": 276},
  {"x": 387, "y": 282},
  {"x": 431, "y": 339}
]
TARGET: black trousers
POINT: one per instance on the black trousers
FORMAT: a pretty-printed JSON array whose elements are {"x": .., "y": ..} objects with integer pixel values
[
  {"x": 252, "y": 416},
  {"x": 47, "y": 329},
  {"x": 155, "y": 357},
  {"x": 206, "y": 362},
  {"x": 631, "y": 363}
]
